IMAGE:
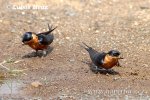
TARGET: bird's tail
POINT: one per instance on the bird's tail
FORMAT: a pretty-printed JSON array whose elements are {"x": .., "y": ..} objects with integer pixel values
[
  {"x": 86, "y": 47},
  {"x": 48, "y": 32},
  {"x": 51, "y": 29}
]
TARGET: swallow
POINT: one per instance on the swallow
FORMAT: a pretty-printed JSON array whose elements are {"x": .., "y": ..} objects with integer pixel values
[
  {"x": 39, "y": 41},
  {"x": 103, "y": 60}
]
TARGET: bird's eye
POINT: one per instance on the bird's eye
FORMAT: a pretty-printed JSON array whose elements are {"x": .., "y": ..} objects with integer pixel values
[{"x": 116, "y": 54}]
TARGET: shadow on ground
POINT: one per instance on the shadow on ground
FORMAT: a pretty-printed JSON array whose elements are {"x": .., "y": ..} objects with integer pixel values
[{"x": 39, "y": 53}]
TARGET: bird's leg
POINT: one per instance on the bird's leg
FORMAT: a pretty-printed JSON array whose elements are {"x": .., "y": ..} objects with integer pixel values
[
  {"x": 118, "y": 64},
  {"x": 110, "y": 70},
  {"x": 99, "y": 68},
  {"x": 44, "y": 53},
  {"x": 94, "y": 68},
  {"x": 36, "y": 53}
]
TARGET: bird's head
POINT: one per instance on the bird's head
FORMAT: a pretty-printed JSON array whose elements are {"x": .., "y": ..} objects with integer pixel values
[
  {"x": 114, "y": 53},
  {"x": 27, "y": 37}
]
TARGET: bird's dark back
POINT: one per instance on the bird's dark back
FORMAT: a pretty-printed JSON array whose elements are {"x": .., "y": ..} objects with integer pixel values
[
  {"x": 46, "y": 39},
  {"x": 96, "y": 57}
]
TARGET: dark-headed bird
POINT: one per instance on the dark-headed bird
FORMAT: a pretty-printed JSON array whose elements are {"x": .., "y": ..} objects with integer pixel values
[
  {"x": 102, "y": 60},
  {"x": 39, "y": 41}
]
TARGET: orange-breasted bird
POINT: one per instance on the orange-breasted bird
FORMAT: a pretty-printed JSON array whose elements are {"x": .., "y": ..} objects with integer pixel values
[
  {"x": 39, "y": 41},
  {"x": 102, "y": 60}
]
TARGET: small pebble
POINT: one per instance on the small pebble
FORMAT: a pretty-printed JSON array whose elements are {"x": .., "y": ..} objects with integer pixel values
[
  {"x": 36, "y": 84},
  {"x": 51, "y": 58},
  {"x": 68, "y": 38},
  {"x": 116, "y": 78},
  {"x": 23, "y": 13}
]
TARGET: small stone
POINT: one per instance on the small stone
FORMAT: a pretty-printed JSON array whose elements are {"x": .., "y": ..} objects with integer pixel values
[
  {"x": 23, "y": 13},
  {"x": 116, "y": 78},
  {"x": 130, "y": 6},
  {"x": 36, "y": 84},
  {"x": 68, "y": 38},
  {"x": 29, "y": 21},
  {"x": 136, "y": 23},
  {"x": 107, "y": 74},
  {"x": 97, "y": 31},
  {"x": 51, "y": 58}
]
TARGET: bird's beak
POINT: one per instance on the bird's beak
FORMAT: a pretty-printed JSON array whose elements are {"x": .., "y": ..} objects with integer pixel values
[
  {"x": 23, "y": 43},
  {"x": 120, "y": 58}
]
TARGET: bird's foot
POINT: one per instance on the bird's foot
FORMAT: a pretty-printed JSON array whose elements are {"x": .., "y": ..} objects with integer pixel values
[
  {"x": 118, "y": 65},
  {"x": 35, "y": 54},
  {"x": 39, "y": 53},
  {"x": 96, "y": 69},
  {"x": 111, "y": 71}
]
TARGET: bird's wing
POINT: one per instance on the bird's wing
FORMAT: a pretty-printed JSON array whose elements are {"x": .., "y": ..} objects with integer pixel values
[
  {"x": 45, "y": 39},
  {"x": 98, "y": 59}
]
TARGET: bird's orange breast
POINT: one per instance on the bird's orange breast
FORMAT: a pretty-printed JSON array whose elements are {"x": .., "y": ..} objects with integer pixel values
[
  {"x": 34, "y": 43},
  {"x": 109, "y": 62}
]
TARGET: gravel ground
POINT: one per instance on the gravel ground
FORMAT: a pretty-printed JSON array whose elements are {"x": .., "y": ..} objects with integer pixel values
[{"x": 102, "y": 24}]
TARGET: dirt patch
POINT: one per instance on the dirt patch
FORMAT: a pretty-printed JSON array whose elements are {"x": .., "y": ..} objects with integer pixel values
[{"x": 102, "y": 24}]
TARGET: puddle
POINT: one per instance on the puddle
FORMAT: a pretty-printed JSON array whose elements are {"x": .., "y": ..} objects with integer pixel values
[{"x": 11, "y": 87}]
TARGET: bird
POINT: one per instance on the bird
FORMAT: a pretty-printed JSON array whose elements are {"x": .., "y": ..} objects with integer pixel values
[
  {"x": 103, "y": 60},
  {"x": 39, "y": 41}
]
